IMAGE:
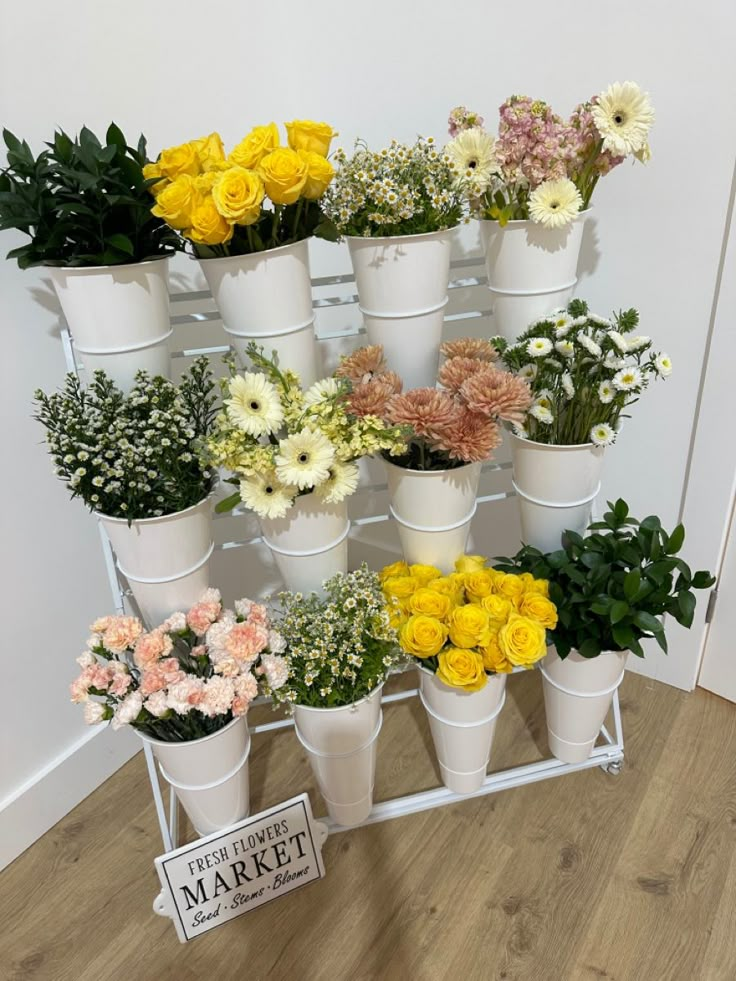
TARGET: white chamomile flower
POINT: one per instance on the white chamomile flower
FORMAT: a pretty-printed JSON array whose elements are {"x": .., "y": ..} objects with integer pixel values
[
  {"x": 626, "y": 379},
  {"x": 589, "y": 344},
  {"x": 528, "y": 372},
  {"x": 567, "y": 385},
  {"x": 602, "y": 434},
  {"x": 554, "y": 204},
  {"x": 565, "y": 348},
  {"x": 623, "y": 115},
  {"x": 663, "y": 364},
  {"x": 606, "y": 392},
  {"x": 619, "y": 340},
  {"x": 537, "y": 347},
  {"x": 266, "y": 495},
  {"x": 341, "y": 483},
  {"x": 321, "y": 391},
  {"x": 305, "y": 458},
  {"x": 542, "y": 414},
  {"x": 637, "y": 343},
  {"x": 254, "y": 405}
]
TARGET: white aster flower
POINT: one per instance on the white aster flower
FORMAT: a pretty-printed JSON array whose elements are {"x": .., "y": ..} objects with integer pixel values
[
  {"x": 606, "y": 392},
  {"x": 537, "y": 347},
  {"x": 472, "y": 156},
  {"x": 321, "y": 391},
  {"x": 542, "y": 414},
  {"x": 265, "y": 494},
  {"x": 619, "y": 340},
  {"x": 568, "y": 386},
  {"x": 663, "y": 364},
  {"x": 305, "y": 459},
  {"x": 626, "y": 379},
  {"x": 637, "y": 343},
  {"x": 589, "y": 344},
  {"x": 565, "y": 348},
  {"x": 254, "y": 405},
  {"x": 554, "y": 204},
  {"x": 521, "y": 431},
  {"x": 623, "y": 115},
  {"x": 341, "y": 483},
  {"x": 614, "y": 363},
  {"x": 562, "y": 325},
  {"x": 602, "y": 434},
  {"x": 529, "y": 372}
]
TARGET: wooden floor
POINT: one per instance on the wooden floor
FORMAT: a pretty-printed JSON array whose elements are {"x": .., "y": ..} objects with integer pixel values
[{"x": 589, "y": 876}]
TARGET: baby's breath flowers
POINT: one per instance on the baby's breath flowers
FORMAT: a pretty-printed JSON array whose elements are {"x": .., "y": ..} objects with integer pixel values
[
  {"x": 399, "y": 190},
  {"x": 132, "y": 456},
  {"x": 584, "y": 370},
  {"x": 279, "y": 441},
  {"x": 338, "y": 649}
]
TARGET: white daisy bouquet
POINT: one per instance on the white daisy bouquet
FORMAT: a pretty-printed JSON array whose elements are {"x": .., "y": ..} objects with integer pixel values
[
  {"x": 338, "y": 649},
  {"x": 541, "y": 166},
  {"x": 584, "y": 370},
  {"x": 399, "y": 190},
  {"x": 280, "y": 441}
]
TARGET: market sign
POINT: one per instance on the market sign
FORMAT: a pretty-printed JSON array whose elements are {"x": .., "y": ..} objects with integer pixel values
[{"x": 228, "y": 873}]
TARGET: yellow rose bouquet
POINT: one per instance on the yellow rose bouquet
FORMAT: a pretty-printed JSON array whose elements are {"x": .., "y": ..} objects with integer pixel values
[
  {"x": 260, "y": 195},
  {"x": 469, "y": 624}
]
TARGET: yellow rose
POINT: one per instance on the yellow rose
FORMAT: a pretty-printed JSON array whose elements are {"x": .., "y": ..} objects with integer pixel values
[
  {"x": 151, "y": 170},
  {"x": 305, "y": 134},
  {"x": 522, "y": 640},
  {"x": 494, "y": 659},
  {"x": 284, "y": 175},
  {"x": 179, "y": 160},
  {"x": 210, "y": 151},
  {"x": 395, "y": 569},
  {"x": 430, "y": 602},
  {"x": 479, "y": 584},
  {"x": 422, "y": 636},
  {"x": 400, "y": 587},
  {"x": 177, "y": 201},
  {"x": 397, "y": 616},
  {"x": 460, "y": 668},
  {"x": 469, "y": 626},
  {"x": 208, "y": 226},
  {"x": 539, "y": 608},
  {"x": 470, "y": 563},
  {"x": 423, "y": 573},
  {"x": 451, "y": 586},
  {"x": 255, "y": 146},
  {"x": 205, "y": 182},
  {"x": 538, "y": 586},
  {"x": 319, "y": 174},
  {"x": 510, "y": 586},
  {"x": 237, "y": 194},
  {"x": 497, "y": 607}
]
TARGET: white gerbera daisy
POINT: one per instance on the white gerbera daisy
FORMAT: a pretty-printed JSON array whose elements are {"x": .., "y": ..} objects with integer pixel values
[
  {"x": 637, "y": 343},
  {"x": 266, "y": 495},
  {"x": 472, "y": 156},
  {"x": 565, "y": 348},
  {"x": 542, "y": 414},
  {"x": 619, "y": 340},
  {"x": 554, "y": 204},
  {"x": 341, "y": 483},
  {"x": 529, "y": 372},
  {"x": 663, "y": 364},
  {"x": 537, "y": 347},
  {"x": 623, "y": 115},
  {"x": 606, "y": 392},
  {"x": 626, "y": 379},
  {"x": 321, "y": 391},
  {"x": 254, "y": 405},
  {"x": 567, "y": 385},
  {"x": 589, "y": 344},
  {"x": 305, "y": 458},
  {"x": 602, "y": 434}
]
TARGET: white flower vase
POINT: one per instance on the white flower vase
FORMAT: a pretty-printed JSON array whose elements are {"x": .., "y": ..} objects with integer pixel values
[
  {"x": 209, "y": 775},
  {"x": 555, "y": 487},
  {"x": 266, "y": 297},
  {"x": 463, "y": 724},
  {"x": 165, "y": 560},
  {"x": 402, "y": 292},
  {"x": 433, "y": 510},
  {"x": 341, "y": 746},
  {"x": 578, "y": 692},
  {"x": 531, "y": 270},
  {"x": 310, "y": 543},
  {"x": 118, "y": 317}
]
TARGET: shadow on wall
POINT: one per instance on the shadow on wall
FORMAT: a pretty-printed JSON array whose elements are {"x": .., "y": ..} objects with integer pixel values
[{"x": 590, "y": 252}]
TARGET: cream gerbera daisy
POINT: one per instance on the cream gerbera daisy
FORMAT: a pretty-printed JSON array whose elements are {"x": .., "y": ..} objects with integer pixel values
[
  {"x": 266, "y": 495},
  {"x": 663, "y": 364},
  {"x": 602, "y": 434},
  {"x": 554, "y": 204},
  {"x": 341, "y": 483},
  {"x": 254, "y": 405},
  {"x": 321, "y": 391},
  {"x": 472, "y": 156},
  {"x": 606, "y": 392},
  {"x": 623, "y": 115},
  {"x": 305, "y": 459},
  {"x": 626, "y": 379},
  {"x": 537, "y": 347}
]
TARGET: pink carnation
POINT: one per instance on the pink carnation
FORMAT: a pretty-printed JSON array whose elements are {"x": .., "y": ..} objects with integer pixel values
[
  {"x": 276, "y": 670},
  {"x": 100, "y": 625},
  {"x": 121, "y": 633},
  {"x": 218, "y": 696},
  {"x": 128, "y": 710},
  {"x": 246, "y": 641},
  {"x": 120, "y": 679},
  {"x": 185, "y": 695},
  {"x": 156, "y": 704},
  {"x": 202, "y": 615},
  {"x": 246, "y": 689},
  {"x": 258, "y": 614},
  {"x": 152, "y": 647},
  {"x": 174, "y": 624},
  {"x": 94, "y": 712}
]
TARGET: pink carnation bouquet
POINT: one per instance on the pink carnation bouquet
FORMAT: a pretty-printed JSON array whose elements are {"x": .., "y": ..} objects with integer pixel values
[
  {"x": 185, "y": 679},
  {"x": 445, "y": 427}
]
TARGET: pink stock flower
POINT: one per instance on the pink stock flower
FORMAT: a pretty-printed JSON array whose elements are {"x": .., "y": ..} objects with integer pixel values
[
  {"x": 461, "y": 118},
  {"x": 121, "y": 633},
  {"x": 246, "y": 641},
  {"x": 152, "y": 647}
]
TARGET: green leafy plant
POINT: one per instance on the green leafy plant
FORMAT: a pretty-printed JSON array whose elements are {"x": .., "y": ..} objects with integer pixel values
[
  {"x": 612, "y": 587},
  {"x": 82, "y": 202}
]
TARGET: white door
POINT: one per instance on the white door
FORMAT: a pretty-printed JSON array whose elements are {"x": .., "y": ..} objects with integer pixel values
[{"x": 718, "y": 669}]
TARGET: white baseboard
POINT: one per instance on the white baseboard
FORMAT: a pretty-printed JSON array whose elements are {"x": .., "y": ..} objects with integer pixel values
[{"x": 63, "y": 783}]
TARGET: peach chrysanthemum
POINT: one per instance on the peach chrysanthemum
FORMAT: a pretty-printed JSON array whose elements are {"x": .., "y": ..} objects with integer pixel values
[
  {"x": 425, "y": 410},
  {"x": 470, "y": 347},
  {"x": 498, "y": 394},
  {"x": 361, "y": 365},
  {"x": 457, "y": 370},
  {"x": 371, "y": 398},
  {"x": 470, "y": 437}
]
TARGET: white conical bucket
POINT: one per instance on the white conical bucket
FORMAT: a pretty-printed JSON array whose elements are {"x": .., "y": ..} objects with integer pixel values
[
  {"x": 165, "y": 560},
  {"x": 341, "y": 746},
  {"x": 266, "y": 297},
  {"x": 411, "y": 343},
  {"x": 578, "y": 692},
  {"x": 310, "y": 543},
  {"x": 210, "y": 775},
  {"x": 462, "y": 725},
  {"x": 439, "y": 546},
  {"x": 555, "y": 487},
  {"x": 118, "y": 316},
  {"x": 531, "y": 270}
]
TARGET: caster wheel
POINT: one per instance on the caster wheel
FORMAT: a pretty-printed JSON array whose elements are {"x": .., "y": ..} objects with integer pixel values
[{"x": 614, "y": 768}]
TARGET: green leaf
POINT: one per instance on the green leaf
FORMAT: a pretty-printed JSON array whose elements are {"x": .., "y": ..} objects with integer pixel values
[
  {"x": 686, "y": 604},
  {"x": 652, "y": 523},
  {"x": 648, "y": 622},
  {"x": 675, "y": 540},
  {"x": 115, "y": 136},
  {"x": 703, "y": 579},
  {"x": 618, "y": 611},
  {"x": 228, "y": 503},
  {"x": 623, "y": 636},
  {"x": 631, "y": 583},
  {"x": 590, "y": 647},
  {"x": 621, "y": 510},
  {"x": 120, "y": 242},
  {"x": 11, "y": 140},
  {"x": 661, "y": 640}
]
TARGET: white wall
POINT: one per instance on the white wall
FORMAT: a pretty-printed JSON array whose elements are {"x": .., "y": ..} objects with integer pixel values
[{"x": 378, "y": 70}]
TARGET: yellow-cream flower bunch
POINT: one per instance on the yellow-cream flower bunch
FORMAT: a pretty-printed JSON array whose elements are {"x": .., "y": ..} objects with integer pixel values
[
  {"x": 217, "y": 201},
  {"x": 471, "y": 623}
]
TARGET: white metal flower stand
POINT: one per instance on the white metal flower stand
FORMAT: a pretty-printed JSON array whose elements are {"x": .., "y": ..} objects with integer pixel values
[{"x": 608, "y": 756}]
